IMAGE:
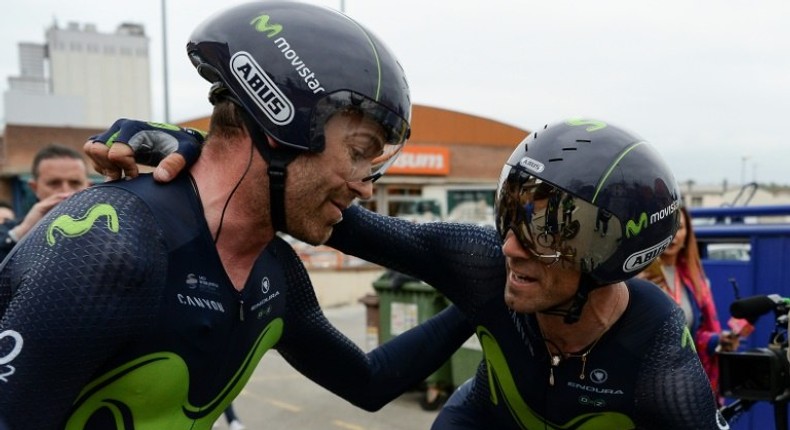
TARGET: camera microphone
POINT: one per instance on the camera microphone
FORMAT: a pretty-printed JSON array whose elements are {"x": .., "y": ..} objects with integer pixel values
[{"x": 752, "y": 307}]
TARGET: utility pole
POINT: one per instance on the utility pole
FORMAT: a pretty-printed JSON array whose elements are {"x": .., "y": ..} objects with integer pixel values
[
  {"x": 164, "y": 61},
  {"x": 744, "y": 159}
]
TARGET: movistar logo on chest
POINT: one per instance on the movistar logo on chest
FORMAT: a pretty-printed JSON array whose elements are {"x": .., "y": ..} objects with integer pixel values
[
  {"x": 66, "y": 226},
  {"x": 261, "y": 89}
]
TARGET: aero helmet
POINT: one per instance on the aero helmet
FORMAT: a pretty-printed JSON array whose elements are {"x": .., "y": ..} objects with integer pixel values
[
  {"x": 589, "y": 194},
  {"x": 291, "y": 65}
]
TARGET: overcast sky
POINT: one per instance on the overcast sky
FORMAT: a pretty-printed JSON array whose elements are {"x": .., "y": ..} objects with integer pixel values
[{"x": 706, "y": 81}]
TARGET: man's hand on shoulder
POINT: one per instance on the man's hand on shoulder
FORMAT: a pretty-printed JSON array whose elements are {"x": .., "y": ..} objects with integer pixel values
[{"x": 116, "y": 152}]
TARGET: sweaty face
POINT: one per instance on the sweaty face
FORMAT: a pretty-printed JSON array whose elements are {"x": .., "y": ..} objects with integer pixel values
[
  {"x": 321, "y": 185},
  {"x": 59, "y": 175},
  {"x": 532, "y": 285}
]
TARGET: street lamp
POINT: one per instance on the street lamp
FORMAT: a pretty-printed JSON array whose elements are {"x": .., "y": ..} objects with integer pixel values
[
  {"x": 164, "y": 62},
  {"x": 744, "y": 159}
]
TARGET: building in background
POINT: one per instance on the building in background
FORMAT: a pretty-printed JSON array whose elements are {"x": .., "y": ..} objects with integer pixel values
[{"x": 65, "y": 82}]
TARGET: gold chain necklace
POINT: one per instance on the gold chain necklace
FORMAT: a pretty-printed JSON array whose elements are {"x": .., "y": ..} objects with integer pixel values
[{"x": 555, "y": 359}]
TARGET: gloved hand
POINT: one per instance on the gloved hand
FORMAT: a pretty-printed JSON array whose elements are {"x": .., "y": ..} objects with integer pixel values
[{"x": 168, "y": 147}]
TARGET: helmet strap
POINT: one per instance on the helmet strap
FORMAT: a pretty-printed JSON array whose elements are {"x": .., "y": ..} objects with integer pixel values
[
  {"x": 586, "y": 284},
  {"x": 278, "y": 160},
  {"x": 573, "y": 313},
  {"x": 277, "y": 173}
]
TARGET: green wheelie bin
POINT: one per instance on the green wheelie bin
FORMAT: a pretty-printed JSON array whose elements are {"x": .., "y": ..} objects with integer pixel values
[{"x": 405, "y": 302}]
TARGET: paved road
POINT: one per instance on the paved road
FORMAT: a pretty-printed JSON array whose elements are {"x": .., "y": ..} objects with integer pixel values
[{"x": 277, "y": 397}]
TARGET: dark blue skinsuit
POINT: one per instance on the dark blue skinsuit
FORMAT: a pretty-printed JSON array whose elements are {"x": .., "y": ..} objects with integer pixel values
[
  {"x": 117, "y": 314},
  {"x": 643, "y": 373}
]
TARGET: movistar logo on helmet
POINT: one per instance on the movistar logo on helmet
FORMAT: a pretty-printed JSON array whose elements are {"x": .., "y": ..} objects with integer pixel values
[
  {"x": 532, "y": 164},
  {"x": 261, "y": 89},
  {"x": 642, "y": 258},
  {"x": 261, "y": 24},
  {"x": 633, "y": 228},
  {"x": 594, "y": 125},
  {"x": 665, "y": 212}
]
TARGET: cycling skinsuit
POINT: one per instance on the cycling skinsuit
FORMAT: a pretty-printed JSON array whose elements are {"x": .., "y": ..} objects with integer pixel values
[
  {"x": 117, "y": 314},
  {"x": 643, "y": 372}
]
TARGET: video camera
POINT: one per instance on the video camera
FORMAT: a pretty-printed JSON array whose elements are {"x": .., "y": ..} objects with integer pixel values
[{"x": 762, "y": 373}]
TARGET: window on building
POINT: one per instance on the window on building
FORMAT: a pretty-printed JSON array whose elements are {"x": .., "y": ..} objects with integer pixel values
[
  {"x": 406, "y": 202},
  {"x": 474, "y": 206}
]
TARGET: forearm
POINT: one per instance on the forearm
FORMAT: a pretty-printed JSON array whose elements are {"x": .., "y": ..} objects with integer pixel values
[
  {"x": 372, "y": 380},
  {"x": 462, "y": 261},
  {"x": 411, "y": 357}
]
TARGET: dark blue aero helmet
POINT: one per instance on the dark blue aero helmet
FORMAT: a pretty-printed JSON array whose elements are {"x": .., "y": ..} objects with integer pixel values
[
  {"x": 291, "y": 65},
  {"x": 589, "y": 194}
]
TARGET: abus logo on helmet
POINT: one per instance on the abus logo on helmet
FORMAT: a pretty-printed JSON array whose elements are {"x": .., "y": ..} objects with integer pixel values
[
  {"x": 642, "y": 258},
  {"x": 533, "y": 165},
  {"x": 261, "y": 89}
]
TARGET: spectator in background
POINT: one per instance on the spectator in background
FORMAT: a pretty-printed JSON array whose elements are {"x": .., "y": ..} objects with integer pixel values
[
  {"x": 6, "y": 212},
  {"x": 678, "y": 271},
  {"x": 58, "y": 172}
]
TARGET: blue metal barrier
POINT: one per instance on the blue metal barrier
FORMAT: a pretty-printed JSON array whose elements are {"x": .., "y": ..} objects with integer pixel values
[{"x": 766, "y": 271}]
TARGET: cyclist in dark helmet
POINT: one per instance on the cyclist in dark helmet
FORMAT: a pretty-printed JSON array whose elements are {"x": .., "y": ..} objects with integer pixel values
[
  {"x": 288, "y": 87},
  {"x": 570, "y": 338},
  {"x": 148, "y": 306},
  {"x": 576, "y": 343}
]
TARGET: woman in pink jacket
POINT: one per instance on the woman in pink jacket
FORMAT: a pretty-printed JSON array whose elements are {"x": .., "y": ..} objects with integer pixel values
[{"x": 678, "y": 271}]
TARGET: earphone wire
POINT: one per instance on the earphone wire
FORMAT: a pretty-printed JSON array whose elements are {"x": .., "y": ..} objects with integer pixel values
[{"x": 227, "y": 202}]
